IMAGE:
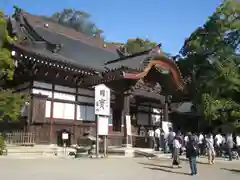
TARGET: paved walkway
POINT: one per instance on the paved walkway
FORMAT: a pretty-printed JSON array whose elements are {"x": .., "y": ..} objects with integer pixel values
[{"x": 110, "y": 169}]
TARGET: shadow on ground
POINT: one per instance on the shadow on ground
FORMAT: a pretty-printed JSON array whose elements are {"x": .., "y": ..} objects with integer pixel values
[
  {"x": 164, "y": 168},
  {"x": 232, "y": 170},
  {"x": 198, "y": 162},
  {"x": 167, "y": 170},
  {"x": 157, "y": 165}
]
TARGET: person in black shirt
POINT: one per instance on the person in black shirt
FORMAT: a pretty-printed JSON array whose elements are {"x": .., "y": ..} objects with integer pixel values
[{"x": 192, "y": 153}]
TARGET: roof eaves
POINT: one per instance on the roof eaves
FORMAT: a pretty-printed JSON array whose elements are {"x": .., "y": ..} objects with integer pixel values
[{"x": 57, "y": 60}]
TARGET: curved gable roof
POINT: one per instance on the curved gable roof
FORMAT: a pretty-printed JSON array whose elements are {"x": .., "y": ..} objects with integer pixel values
[{"x": 74, "y": 46}]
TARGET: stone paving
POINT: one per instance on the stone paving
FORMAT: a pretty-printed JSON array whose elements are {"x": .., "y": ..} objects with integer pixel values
[{"x": 111, "y": 169}]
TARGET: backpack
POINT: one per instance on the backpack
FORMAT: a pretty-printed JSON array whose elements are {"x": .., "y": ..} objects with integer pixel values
[{"x": 192, "y": 149}]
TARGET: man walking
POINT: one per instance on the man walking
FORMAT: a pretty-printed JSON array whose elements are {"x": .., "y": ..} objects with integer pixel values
[
  {"x": 157, "y": 135},
  {"x": 191, "y": 154},
  {"x": 201, "y": 144},
  {"x": 171, "y": 136},
  {"x": 210, "y": 149},
  {"x": 218, "y": 143},
  {"x": 238, "y": 143},
  {"x": 229, "y": 143},
  {"x": 152, "y": 138}
]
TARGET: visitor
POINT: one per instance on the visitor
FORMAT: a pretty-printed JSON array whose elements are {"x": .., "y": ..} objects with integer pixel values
[
  {"x": 186, "y": 139},
  {"x": 210, "y": 148},
  {"x": 162, "y": 140},
  {"x": 191, "y": 154},
  {"x": 152, "y": 138},
  {"x": 218, "y": 144},
  {"x": 181, "y": 141},
  {"x": 176, "y": 150},
  {"x": 238, "y": 144},
  {"x": 201, "y": 144},
  {"x": 157, "y": 135},
  {"x": 170, "y": 138},
  {"x": 229, "y": 144},
  {"x": 166, "y": 147}
]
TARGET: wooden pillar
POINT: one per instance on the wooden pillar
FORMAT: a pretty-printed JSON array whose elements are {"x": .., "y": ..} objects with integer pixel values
[
  {"x": 74, "y": 139},
  {"x": 166, "y": 118},
  {"x": 125, "y": 113},
  {"x": 51, "y": 132}
]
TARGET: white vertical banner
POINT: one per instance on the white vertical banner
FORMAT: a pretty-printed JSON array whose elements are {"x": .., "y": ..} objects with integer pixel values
[
  {"x": 128, "y": 123},
  {"x": 102, "y": 100},
  {"x": 102, "y": 125}
]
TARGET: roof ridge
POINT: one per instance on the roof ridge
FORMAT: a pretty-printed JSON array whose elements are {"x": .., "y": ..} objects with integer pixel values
[{"x": 70, "y": 32}]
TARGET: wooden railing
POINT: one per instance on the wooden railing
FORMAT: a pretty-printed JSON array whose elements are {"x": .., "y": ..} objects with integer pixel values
[{"x": 20, "y": 138}]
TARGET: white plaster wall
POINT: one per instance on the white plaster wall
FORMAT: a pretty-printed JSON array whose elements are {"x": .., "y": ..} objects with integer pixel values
[
  {"x": 42, "y": 85},
  {"x": 64, "y": 88},
  {"x": 63, "y": 96}
]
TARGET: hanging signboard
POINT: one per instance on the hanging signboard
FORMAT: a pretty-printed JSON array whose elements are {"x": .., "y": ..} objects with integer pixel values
[
  {"x": 103, "y": 125},
  {"x": 102, "y": 100},
  {"x": 65, "y": 136}
]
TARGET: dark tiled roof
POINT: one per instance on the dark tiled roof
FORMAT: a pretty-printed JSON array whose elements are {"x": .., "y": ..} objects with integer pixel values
[
  {"x": 75, "y": 46},
  {"x": 138, "y": 60},
  {"x": 82, "y": 53},
  {"x": 135, "y": 61},
  {"x": 38, "y": 21}
]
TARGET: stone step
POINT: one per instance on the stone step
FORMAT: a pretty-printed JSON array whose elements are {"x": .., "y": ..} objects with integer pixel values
[{"x": 37, "y": 150}]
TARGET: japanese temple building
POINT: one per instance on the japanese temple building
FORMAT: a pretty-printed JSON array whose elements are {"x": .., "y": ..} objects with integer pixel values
[{"x": 59, "y": 68}]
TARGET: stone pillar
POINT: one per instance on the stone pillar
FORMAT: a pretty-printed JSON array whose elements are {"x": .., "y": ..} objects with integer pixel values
[{"x": 126, "y": 112}]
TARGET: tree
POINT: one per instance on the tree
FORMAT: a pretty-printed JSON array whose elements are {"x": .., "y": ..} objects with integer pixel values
[
  {"x": 137, "y": 45},
  {"x": 210, "y": 57},
  {"x": 78, "y": 20},
  {"x": 10, "y": 103}
]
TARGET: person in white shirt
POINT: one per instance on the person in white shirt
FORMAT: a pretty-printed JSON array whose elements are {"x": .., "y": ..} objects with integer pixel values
[
  {"x": 170, "y": 138},
  {"x": 238, "y": 144},
  {"x": 210, "y": 149},
  {"x": 157, "y": 135},
  {"x": 152, "y": 138},
  {"x": 176, "y": 145},
  {"x": 186, "y": 139},
  {"x": 218, "y": 144},
  {"x": 201, "y": 143}
]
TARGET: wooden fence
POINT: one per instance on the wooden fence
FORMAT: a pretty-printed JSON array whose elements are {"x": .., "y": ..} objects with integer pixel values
[{"x": 20, "y": 138}]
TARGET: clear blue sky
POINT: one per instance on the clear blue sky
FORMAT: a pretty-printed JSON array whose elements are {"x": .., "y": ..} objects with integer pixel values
[{"x": 165, "y": 21}]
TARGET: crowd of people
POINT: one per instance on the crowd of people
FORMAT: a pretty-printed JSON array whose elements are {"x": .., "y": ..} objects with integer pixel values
[{"x": 194, "y": 145}]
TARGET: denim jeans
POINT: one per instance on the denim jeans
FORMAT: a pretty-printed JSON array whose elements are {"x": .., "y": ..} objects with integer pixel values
[{"x": 193, "y": 165}]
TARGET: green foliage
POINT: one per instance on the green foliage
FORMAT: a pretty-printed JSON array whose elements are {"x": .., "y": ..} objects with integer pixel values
[
  {"x": 10, "y": 103},
  {"x": 219, "y": 109},
  {"x": 210, "y": 57},
  {"x": 78, "y": 20},
  {"x": 138, "y": 45},
  {"x": 2, "y": 145}
]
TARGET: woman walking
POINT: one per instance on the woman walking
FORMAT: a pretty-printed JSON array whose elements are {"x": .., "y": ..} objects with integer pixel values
[
  {"x": 176, "y": 151},
  {"x": 191, "y": 154}
]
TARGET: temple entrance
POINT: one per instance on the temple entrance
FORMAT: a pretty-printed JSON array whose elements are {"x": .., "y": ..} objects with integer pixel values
[
  {"x": 60, "y": 140},
  {"x": 117, "y": 119}
]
